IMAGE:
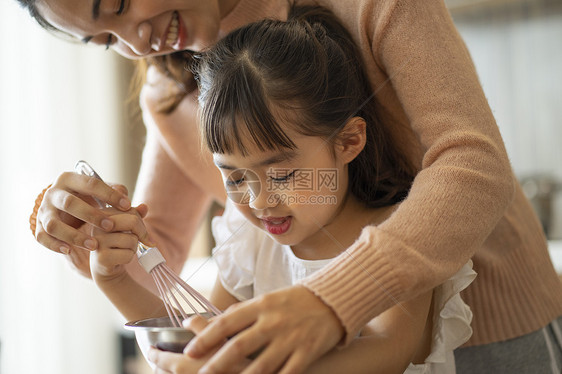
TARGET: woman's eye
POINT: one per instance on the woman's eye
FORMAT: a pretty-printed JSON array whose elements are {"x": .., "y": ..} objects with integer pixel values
[
  {"x": 283, "y": 179},
  {"x": 109, "y": 41},
  {"x": 120, "y": 8}
]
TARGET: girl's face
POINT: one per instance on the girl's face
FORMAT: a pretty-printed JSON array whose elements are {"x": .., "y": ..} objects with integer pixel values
[
  {"x": 293, "y": 194},
  {"x": 139, "y": 28}
]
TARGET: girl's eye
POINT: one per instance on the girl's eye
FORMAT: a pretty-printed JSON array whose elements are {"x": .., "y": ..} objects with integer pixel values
[
  {"x": 285, "y": 178},
  {"x": 234, "y": 182}
]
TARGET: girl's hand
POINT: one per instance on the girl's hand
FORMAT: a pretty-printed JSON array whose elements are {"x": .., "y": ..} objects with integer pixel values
[
  {"x": 177, "y": 363},
  {"x": 67, "y": 205},
  {"x": 119, "y": 247},
  {"x": 292, "y": 325}
]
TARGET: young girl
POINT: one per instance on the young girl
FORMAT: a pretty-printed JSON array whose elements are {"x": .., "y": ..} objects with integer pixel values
[{"x": 288, "y": 115}]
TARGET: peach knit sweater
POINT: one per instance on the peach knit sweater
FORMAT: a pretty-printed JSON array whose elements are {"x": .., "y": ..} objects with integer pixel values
[{"x": 464, "y": 203}]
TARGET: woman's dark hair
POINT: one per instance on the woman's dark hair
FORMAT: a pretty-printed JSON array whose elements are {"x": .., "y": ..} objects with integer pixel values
[
  {"x": 309, "y": 67},
  {"x": 32, "y": 9}
]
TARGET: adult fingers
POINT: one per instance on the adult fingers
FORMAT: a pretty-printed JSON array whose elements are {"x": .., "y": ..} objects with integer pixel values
[
  {"x": 290, "y": 321},
  {"x": 71, "y": 193},
  {"x": 90, "y": 186},
  {"x": 223, "y": 326},
  {"x": 195, "y": 323},
  {"x": 60, "y": 215},
  {"x": 235, "y": 351},
  {"x": 270, "y": 359},
  {"x": 60, "y": 237}
]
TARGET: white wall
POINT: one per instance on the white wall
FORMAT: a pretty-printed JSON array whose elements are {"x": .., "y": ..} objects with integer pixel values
[
  {"x": 52, "y": 321},
  {"x": 517, "y": 49}
]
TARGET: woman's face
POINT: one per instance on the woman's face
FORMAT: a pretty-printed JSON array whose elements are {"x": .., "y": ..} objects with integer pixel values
[{"x": 139, "y": 28}]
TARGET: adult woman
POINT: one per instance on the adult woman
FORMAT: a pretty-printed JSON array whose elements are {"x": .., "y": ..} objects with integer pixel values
[{"x": 463, "y": 203}]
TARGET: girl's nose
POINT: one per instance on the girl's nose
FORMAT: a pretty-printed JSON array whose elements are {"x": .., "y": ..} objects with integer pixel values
[{"x": 262, "y": 198}]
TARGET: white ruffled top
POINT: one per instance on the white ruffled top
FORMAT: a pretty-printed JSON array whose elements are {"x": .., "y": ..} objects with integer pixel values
[{"x": 250, "y": 263}]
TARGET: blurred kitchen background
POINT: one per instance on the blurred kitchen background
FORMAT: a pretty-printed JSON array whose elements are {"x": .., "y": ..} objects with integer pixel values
[{"x": 61, "y": 102}]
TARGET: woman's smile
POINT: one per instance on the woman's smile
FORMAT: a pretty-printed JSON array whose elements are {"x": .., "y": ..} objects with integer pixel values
[
  {"x": 139, "y": 28},
  {"x": 172, "y": 31},
  {"x": 176, "y": 35}
]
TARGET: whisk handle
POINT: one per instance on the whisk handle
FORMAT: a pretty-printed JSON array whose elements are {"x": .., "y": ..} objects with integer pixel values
[
  {"x": 149, "y": 257},
  {"x": 82, "y": 167}
]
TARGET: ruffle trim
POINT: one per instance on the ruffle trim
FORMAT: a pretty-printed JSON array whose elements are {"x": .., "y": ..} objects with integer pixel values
[{"x": 451, "y": 325}]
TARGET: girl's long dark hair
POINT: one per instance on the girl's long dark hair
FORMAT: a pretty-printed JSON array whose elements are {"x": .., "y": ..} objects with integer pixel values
[{"x": 308, "y": 67}]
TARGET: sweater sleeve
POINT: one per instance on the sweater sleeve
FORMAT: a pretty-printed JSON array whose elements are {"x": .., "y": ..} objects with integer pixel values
[{"x": 463, "y": 188}]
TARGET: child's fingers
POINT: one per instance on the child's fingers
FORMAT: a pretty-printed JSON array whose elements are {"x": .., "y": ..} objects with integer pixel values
[
  {"x": 142, "y": 210},
  {"x": 110, "y": 262},
  {"x": 114, "y": 257},
  {"x": 120, "y": 188},
  {"x": 132, "y": 223},
  {"x": 117, "y": 240}
]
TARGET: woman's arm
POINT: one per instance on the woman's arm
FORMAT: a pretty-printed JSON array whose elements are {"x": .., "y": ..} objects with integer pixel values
[
  {"x": 176, "y": 205},
  {"x": 171, "y": 177},
  {"x": 387, "y": 344},
  {"x": 423, "y": 73},
  {"x": 465, "y": 185}
]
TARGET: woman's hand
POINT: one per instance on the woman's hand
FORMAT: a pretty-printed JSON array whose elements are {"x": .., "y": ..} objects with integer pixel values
[
  {"x": 292, "y": 325},
  {"x": 67, "y": 205}
]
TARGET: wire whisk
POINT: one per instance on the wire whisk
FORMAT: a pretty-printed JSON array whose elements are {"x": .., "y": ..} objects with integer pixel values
[{"x": 175, "y": 293}]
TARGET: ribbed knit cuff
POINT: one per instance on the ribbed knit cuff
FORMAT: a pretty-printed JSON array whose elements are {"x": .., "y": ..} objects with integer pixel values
[{"x": 358, "y": 285}]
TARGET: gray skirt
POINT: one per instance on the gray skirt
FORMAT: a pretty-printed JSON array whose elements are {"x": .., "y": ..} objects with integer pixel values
[{"x": 535, "y": 353}]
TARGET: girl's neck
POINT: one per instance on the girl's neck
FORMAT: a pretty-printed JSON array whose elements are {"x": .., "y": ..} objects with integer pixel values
[{"x": 342, "y": 231}]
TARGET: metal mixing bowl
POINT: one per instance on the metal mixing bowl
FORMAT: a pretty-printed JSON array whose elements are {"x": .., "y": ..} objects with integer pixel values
[{"x": 160, "y": 333}]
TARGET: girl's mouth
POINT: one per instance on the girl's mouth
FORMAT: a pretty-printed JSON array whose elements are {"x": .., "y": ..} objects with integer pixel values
[{"x": 277, "y": 225}]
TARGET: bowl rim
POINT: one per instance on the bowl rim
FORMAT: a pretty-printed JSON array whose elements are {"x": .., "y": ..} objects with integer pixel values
[{"x": 135, "y": 325}]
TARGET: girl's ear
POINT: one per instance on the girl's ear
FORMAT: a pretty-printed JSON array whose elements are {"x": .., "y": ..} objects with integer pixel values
[{"x": 351, "y": 140}]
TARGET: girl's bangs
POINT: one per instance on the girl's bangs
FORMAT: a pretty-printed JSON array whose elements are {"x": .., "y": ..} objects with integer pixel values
[{"x": 238, "y": 113}]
